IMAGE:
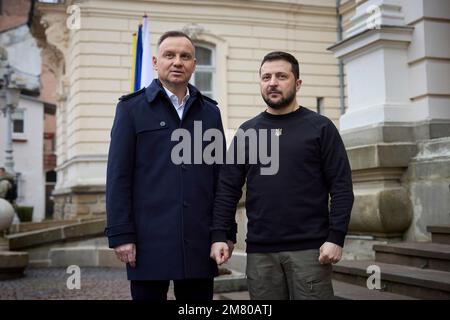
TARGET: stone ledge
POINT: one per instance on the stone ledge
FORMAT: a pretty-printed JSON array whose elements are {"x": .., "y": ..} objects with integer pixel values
[
  {"x": 12, "y": 264},
  {"x": 381, "y": 155},
  {"x": 56, "y": 234},
  {"x": 404, "y": 280},
  {"x": 236, "y": 281},
  {"x": 419, "y": 249},
  {"x": 84, "y": 256},
  {"x": 80, "y": 190},
  {"x": 439, "y": 229},
  {"x": 396, "y": 132},
  {"x": 33, "y": 226}
]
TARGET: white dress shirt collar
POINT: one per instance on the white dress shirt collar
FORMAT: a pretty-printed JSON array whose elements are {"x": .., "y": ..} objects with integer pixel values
[{"x": 179, "y": 107}]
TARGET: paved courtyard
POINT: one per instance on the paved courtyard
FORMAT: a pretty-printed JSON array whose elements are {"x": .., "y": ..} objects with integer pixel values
[{"x": 51, "y": 284}]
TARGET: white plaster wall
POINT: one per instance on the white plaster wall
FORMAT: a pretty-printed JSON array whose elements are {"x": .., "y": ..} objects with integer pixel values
[
  {"x": 23, "y": 54},
  {"x": 28, "y": 156}
]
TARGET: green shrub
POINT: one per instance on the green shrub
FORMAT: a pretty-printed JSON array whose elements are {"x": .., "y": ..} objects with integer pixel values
[{"x": 25, "y": 213}]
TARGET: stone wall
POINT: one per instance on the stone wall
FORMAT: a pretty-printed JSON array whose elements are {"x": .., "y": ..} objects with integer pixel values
[
  {"x": 428, "y": 179},
  {"x": 79, "y": 203}
]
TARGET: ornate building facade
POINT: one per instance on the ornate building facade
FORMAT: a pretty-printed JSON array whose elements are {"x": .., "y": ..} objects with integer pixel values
[{"x": 385, "y": 62}]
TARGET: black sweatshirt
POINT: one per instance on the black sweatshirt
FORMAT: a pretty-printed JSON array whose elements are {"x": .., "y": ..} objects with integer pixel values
[{"x": 289, "y": 210}]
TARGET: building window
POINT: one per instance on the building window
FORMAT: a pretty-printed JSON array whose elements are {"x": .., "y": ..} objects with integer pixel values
[
  {"x": 203, "y": 77},
  {"x": 17, "y": 118},
  {"x": 320, "y": 106}
]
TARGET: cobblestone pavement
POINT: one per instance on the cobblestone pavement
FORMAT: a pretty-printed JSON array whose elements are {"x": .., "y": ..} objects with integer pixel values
[{"x": 51, "y": 284}]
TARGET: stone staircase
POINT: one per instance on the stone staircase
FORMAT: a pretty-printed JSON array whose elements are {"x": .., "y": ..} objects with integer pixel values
[
  {"x": 419, "y": 270},
  {"x": 37, "y": 244},
  {"x": 59, "y": 244},
  {"x": 409, "y": 270}
]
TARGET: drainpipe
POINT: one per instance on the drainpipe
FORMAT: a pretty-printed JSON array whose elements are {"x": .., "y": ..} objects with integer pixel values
[{"x": 341, "y": 64}]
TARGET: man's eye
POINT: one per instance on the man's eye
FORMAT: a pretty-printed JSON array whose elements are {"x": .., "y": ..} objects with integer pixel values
[
  {"x": 186, "y": 57},
  {"x": 282, "y": 77},
  {"x": 169, "y": 55}
]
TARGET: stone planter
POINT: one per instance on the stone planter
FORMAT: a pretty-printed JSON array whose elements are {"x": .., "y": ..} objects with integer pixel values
[{"x": 6, "y": 214}]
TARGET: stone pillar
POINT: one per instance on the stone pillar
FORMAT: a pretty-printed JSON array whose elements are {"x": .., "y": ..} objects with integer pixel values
[
  {"x": 50, "y": 29},
  {"x": 383, "y": 123}
]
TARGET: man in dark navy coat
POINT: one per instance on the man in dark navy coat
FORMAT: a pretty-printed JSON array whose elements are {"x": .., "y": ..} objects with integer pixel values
[{"x": 159, "y": 212}]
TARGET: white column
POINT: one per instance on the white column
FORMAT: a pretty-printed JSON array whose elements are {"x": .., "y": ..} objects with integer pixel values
[{"x": 375, "y": 55}]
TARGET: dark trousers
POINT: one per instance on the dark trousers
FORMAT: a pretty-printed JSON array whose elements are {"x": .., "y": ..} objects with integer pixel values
[{"x": 188, "y": 289}]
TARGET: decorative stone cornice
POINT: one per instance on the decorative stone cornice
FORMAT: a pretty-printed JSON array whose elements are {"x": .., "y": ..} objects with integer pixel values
[
  {"x": 193, "y": 30},
  {"x": 50, "y": 30},
  {"x": 54, "y": 22},
  {"x": 373, "y": 14},
  {"x": 385, "y": 35}
]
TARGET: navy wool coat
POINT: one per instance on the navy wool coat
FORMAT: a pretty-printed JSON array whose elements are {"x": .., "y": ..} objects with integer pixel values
[{"x": 165, "y": 208}]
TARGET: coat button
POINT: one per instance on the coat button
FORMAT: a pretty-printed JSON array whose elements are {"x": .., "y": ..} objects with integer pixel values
[{"x": 162, "y": 123}]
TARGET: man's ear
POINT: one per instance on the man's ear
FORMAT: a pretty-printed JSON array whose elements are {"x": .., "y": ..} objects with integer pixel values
[
  {"x": 298, "y": 84},
  {"x": 154, "y": 60}
]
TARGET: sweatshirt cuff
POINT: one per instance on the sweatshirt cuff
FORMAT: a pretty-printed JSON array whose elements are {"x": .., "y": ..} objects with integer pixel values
[
  {"x": 336, "y": 237},
  {"x": 218, "y": 236},
  {"x": 231, "y": 234}
]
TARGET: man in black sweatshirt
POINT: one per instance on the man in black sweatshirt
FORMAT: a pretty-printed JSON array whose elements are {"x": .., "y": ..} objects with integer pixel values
[{"x": 294, "y": 232}]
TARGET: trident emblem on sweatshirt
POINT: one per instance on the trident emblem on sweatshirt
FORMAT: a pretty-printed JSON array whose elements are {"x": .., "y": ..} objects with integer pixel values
[{"x": 278, "y": 132}]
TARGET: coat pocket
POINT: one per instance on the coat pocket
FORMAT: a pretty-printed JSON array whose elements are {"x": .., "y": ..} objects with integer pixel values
[{"x": 145, "y": 127}]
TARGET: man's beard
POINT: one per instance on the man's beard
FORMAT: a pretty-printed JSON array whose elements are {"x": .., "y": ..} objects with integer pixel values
[{"x": 283, "y": 103}]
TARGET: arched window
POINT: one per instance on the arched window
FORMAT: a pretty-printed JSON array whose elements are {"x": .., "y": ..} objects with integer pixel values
[{"x": 203, "y": 77}]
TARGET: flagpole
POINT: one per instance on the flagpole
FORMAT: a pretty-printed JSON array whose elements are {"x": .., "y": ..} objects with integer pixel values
[{"x": 133, "y": 65}]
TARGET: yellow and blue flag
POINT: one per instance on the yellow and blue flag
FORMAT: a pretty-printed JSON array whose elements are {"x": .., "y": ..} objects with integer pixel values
[{"x": 142, "y": 67}]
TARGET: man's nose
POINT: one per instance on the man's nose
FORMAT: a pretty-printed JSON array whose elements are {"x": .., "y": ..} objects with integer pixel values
[
  {"x": 273, "y": 82},
  {"x": 177, "y": 61}
]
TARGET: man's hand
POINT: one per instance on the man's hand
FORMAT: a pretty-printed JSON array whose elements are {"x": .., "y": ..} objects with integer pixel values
[
  {"x": 126, "y": 253},
  {"x": 330, "y": 253},
  {"x": 221, "y": 251}
]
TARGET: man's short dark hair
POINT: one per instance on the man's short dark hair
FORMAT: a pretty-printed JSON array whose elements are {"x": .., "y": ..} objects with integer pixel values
[
  {"x": 280, "y": 55},
  {"x": 173, "y": 34},
  {"x": 2, "y": 169}
]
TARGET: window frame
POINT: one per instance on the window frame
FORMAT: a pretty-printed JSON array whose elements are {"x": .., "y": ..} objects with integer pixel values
[
  {"x": 19, "y": 135},
  {"x": 207, "y": 68}
]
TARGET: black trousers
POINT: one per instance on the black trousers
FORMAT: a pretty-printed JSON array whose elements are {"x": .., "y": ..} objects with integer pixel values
[{"x": 188, "y": 289}]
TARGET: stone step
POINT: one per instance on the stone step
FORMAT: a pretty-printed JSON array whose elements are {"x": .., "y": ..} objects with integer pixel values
[
  {"x": 12, "y": 264},
  {"x": 440, "y": 234},
  {"x": 236, "y": 281},
  {"x": 63, "y": 233},
  {"x": 95, "y": 256},
  {"x": 342, "y": 291},
  {"x": 403, "y": 280},
  {"x": 235, "y": 295},
  {"x": 84, "y": 256},
  {"x": 424, "y": 255},
  {"x": 433, "y": 148},
  {"x": 347, "y": 291},
  {"x": 33, "y": 226}
]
